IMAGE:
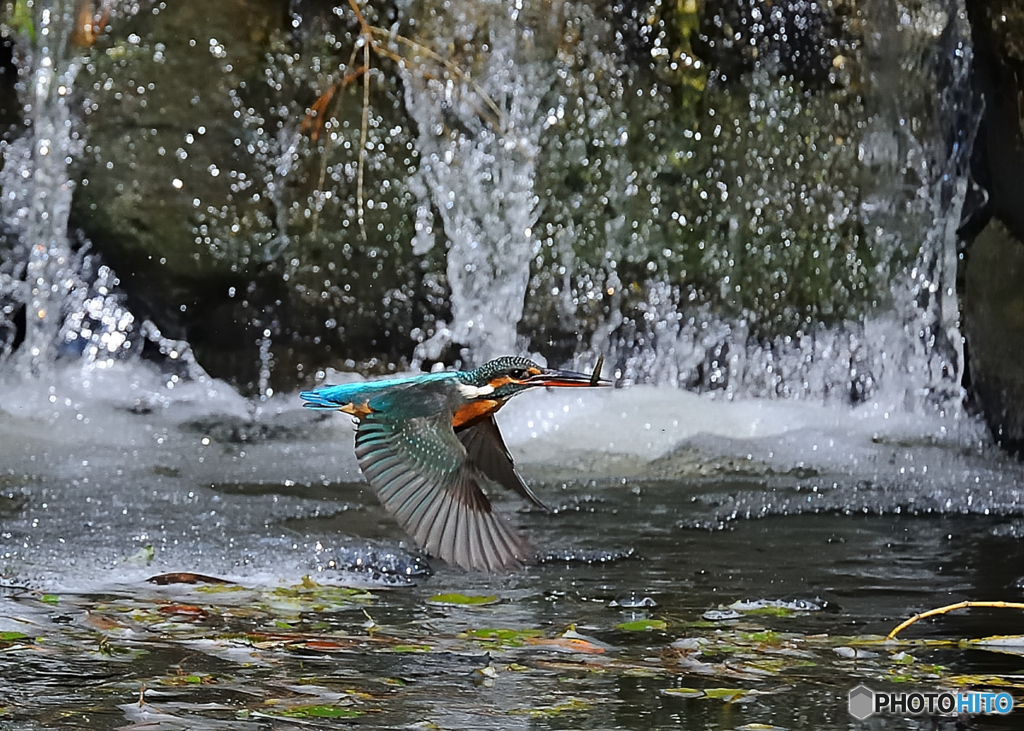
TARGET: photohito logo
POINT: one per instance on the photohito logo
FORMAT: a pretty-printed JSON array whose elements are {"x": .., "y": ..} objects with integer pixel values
[{"x": 865, "y": 702}]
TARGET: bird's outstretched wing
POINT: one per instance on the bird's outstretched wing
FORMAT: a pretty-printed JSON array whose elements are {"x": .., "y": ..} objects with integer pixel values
[
  {"x": 487, "y": 451},
  {"x": 423, "y": 476}
]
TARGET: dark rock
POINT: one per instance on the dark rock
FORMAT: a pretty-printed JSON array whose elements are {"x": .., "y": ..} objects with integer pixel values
[
  {"x": 997, "y": 27},
  {"x": 994, "y": 328},
  {"x": 798, "y": 38},
  {"x": 230, "y": 224}
]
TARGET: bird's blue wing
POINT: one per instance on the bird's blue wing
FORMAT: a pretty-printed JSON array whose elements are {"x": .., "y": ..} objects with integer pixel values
[
  {"x": 424, "y": 478},
  {"x": 334, "y": 397}
]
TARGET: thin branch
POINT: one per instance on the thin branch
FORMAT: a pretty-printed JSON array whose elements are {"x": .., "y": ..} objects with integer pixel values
[
  {"x": 950, "y": 608},
  {"x": 363, "y": 132}
]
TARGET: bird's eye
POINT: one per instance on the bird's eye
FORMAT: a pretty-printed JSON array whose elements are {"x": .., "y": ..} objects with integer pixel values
[{"x": 518, "y": 374}]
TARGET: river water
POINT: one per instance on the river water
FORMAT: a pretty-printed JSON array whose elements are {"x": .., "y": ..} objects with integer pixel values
[
  {"x": 725, "y": 559},
  {"x": 833, "y": 524}
]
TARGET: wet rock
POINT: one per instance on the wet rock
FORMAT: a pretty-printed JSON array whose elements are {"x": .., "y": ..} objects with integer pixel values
[
  {"x": 10, "y": 109},
  {"x": 994, "y": 329},
  {"x": 684, "y": 226},
  {"x": 231, "y": 222},
  {"x": 997, "y": 27},
  {"x": 801, "y": 38}
]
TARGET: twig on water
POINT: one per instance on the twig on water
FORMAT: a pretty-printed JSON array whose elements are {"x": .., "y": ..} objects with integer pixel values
[{"x": 949, "y": 608}]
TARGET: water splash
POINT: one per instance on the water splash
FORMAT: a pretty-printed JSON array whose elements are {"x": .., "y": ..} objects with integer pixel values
[
  {"x": 904, "y": 343},
  {"x": 478, "y": 147},
  {"x": 38, "y": 190}
]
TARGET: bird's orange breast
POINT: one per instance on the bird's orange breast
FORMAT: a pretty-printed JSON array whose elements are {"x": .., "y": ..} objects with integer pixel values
[{"x": 473, "y": 412}]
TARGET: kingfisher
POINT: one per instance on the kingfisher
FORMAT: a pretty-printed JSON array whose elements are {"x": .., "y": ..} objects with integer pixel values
[{"x": 428, "y": 445}]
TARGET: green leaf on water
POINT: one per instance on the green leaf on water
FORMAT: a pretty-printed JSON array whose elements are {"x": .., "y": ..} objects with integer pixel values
[
  {"x": 729, "y": 695},
  {"x": 771, "y": 611},
  {"x": 218, "y": 588},
  {"x": 461, "y": 600},
  {"x": 642, "y": 625},
  {"x": 501, "y": 636},
  {"x": 12, "y": 636},
  {"x": 310, "y": 588},
  {"x": 320, "y": 712},
  {"x": 411, "y": 648},
  {"x": 568, "y": 705},
  {"x": 52, "y": 599}
]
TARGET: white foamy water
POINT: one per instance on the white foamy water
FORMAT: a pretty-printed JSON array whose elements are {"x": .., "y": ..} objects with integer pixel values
[{"x": 113, "y": 476}]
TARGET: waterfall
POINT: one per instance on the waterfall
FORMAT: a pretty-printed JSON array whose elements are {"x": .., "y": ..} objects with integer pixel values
[
  {"x": 71, "y": 302},
  {"x": 478, "y": 145},
  {"x": 38, "y": 191},
  {"x": 584, "y": 209}
]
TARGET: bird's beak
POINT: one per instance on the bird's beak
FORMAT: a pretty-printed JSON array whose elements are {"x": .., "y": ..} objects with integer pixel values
[{"x": 556, "y": 379}]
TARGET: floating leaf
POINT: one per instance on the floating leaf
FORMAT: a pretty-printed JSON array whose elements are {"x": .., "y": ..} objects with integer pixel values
[
  {"x": 461, "y": 600},
  {"x": 566, "y": 644},
  {"x": 641, "y": 625},
  {"x": 721, "y": 615},
  {"x": 50, "y": 599},
  {"x": 8, "y": 639},
  {"x": 184, "y": 577},
  {"x": 691, "y": 644},
  {"x": 569, "y": 704},
  {"x": 683, "y": 692},
  {"x": 770, "y": 611},
  {"x": 771, "y": 606},
  {"x": 1008, "y": 644},
  {"x": 501, "y": 636},
  {"x": 986, "y": 680},
  {"x": 184, "y": 610},
  {"x": 411, "y": 648},
  {"x": 729, "y": 695},
  {"x": 320, "y": 712},
  {"x": 191, "y": 679}
]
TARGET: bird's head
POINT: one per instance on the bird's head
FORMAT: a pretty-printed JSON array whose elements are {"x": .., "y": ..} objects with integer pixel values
[{"x": 502, "y": 378}]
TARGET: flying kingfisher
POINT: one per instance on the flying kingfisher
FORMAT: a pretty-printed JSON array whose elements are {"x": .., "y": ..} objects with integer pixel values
[{"x": 428, "y": 444}]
